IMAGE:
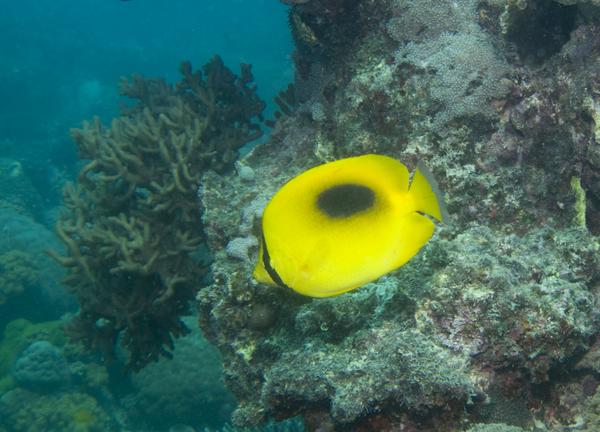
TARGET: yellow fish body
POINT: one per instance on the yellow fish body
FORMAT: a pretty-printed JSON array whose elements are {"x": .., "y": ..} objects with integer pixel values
[{"x": 343, "y": 224}]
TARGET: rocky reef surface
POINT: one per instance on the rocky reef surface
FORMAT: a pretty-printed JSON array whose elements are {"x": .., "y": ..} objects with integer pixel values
[
  {"x": 48, "y": 383},
  {"x": 494, "y": 325}
]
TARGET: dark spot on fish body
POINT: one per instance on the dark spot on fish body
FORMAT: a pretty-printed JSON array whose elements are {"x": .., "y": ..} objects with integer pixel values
[{"x": 345, "y": 200}]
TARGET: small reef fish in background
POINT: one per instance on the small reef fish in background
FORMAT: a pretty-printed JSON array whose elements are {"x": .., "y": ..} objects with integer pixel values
[{"x": 345, "y": 223}]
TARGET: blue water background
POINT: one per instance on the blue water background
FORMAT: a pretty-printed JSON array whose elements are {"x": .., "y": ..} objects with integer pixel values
[
  {"x": 61, "y": 60},
  {"x": 60, "y": 63}
]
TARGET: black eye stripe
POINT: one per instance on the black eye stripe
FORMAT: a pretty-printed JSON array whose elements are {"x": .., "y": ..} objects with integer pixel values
[
  {"x": 267, "y": 263},
  {"x": 345, "y": 200}
]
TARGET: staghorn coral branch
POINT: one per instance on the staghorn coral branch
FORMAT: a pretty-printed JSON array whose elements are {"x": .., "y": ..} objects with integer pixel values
[
  {"x": 171, "y": 282},
  {"x": 132, "y": 221},
  {"x": 75, "y": 258}
]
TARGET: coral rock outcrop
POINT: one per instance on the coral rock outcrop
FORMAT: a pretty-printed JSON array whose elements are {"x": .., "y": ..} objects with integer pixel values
[{"x": 484, "y": 327}]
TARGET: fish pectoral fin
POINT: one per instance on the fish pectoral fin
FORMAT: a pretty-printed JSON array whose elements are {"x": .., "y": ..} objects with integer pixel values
[
  {"x": 308, "y": 273},
  {"x": 315, "y": 258}
]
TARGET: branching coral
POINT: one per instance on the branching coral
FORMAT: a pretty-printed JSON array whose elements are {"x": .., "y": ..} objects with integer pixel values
[{"x": 132, "y": 228}]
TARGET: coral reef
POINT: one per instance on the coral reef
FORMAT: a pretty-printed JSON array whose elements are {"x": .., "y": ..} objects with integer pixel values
[
  {"x": 187, "y": 387},
  {"x": 522, "y": 313},
  {"x": 592, "y": 413},
  {"x": 289, "y": 425},
  {"x": 495, "y": 427},
  {"x": 25, "y": 411},
  {"x": 41, "y": 365},
  {"x": 16, "y": 189},
  {"x": 528, "y": 308},
  {"x": 400, "y": 365},
  {"x": 28, "y": 270},
  {"x": 20, "y": 333},
  {"x": 132, "y": 231},
  {"x": 487, "y": 327},
  {"x": 47, "y": 383},
  {"x": 18, "y": 272}
]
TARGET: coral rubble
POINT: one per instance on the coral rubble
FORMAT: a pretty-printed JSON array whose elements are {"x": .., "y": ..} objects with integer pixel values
[
  {"x": 487, "y": 327},
  {"x": 132, "y": 228}
]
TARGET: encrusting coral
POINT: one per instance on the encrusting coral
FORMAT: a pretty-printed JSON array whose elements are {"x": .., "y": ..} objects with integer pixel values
[
  {"x": 132, "y": 227},
  {"x": 25, "y": 411},
  {"x": 17, "y": 192},
  {"x": 23, "y": 243},
  {"x": 17, "y": 335},
  {"x": 17, "y": 272},
  {"x": 179, "y": 388}
]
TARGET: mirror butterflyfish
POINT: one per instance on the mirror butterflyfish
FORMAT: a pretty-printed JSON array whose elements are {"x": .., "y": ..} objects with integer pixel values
[{"x": 343, "y": 224}]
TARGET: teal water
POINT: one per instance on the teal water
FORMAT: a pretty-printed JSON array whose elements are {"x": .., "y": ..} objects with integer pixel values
[{"x": 61, "y": 63}]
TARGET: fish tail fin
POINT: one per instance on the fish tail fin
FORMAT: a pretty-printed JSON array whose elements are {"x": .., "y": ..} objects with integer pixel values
[{"x": 427, "y": 194}]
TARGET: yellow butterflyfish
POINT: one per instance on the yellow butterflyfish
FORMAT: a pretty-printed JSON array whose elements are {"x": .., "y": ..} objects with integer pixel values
[{"x": 343, "y": 224}]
